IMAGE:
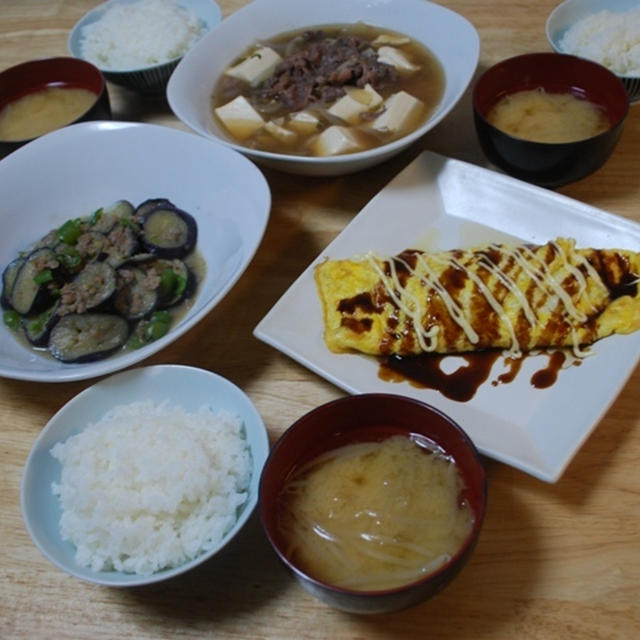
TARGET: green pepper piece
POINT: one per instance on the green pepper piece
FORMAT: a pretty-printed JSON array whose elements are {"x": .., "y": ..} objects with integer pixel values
[
  {"x": 167, "y": 283},
  {"x": 70, "y": 231},
  {"x": 125, "y": 222},
  {"x": 69, "y": 258},
  {"x": 34, "y": 325},
  {"x": 11, "y": 319},
  {"x": 95, "y": 216},
  {"x": 135, "y": 342},
  {"x": 43, "y": 276}
]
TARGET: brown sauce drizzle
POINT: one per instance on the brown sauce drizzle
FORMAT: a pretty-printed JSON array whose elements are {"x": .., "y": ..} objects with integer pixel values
[{"x": 424, "y": 371}]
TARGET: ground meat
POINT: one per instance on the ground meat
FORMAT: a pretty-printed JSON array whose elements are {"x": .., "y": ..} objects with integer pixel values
[{"x": 321, "y": 69}]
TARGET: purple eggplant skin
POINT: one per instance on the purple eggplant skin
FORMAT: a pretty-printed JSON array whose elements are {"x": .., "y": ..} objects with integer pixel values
[
  {"x": 169, "y": 232},
  {"x": 8, "y": 279},
  {"x": 148, "y": 205},
  {"x": 87, "y": 337},
  {"x": 37, "y": 328},
  {"x": 30, "y": 293}
]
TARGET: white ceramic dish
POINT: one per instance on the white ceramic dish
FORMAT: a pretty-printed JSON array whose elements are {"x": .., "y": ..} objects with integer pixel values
[
  {"x": 71, "y": 172},
  {"x": 152, "y": 79},
  {"x": 452, "y": 39},
  {"x": 567, "y": 13},
  {"x": 440, "y": 203},
  {"x": 188, "y": 387}
]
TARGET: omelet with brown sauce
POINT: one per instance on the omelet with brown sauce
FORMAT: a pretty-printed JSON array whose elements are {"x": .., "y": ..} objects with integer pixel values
[{"x": 518, "y": 298}]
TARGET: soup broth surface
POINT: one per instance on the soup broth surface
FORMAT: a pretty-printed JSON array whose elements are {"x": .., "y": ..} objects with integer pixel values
[
  {"x": 374, "y": 515},
  {"x": 294, "y": 128},
  {"x": 540, "y": 116},
  {"x": 37, "y": 113}
]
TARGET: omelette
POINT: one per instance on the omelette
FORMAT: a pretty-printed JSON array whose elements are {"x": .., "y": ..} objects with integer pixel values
[{"x": 511, "y": 297}]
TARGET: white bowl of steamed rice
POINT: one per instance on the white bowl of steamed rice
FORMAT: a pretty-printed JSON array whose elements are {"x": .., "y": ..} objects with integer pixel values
[
  {"x": 605, "y": 31},
  {"x": 138, "y": 43},
  {"x": 144, "y": 475}
]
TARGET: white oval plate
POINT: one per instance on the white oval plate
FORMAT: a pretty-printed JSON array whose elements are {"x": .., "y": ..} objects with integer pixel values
[
  {"x": 71, "y": 172},
  {"x": 188, "y": 387}
]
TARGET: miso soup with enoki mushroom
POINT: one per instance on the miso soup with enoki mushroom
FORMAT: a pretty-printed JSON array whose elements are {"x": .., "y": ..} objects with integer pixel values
[{"x": 373, "y": 516}]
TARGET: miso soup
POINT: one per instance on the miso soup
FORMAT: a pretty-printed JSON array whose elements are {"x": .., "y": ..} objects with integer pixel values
[
  {"x": 328, "y": 90},
  {"x": 44, "y": 110},
  {"x": 374, "y": 515},
  {"x": 542, "y": 116}
]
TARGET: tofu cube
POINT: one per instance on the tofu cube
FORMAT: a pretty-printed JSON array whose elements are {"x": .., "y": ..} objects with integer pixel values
[
  {"x": 397, "y": 59},
  {"x": 402, "y": 111},
  {"x": 334, "y": 141},
  {"x": 257, "y": 67},
  {"x": 304, "y": 122},
  {"x": 239, "y": 117},
  {"x": 354, "y": 103},
  {"x": 389, "y": 38},
  {"x": 281, "y": 133}
]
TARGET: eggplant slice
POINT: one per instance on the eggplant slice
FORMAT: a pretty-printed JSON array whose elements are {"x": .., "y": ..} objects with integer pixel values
[
  {"x": 169, "y": 232},
  {"x": 122, "y": 244},
  {"x": 37, "y": 328},
  {"x": 30, "y": 291},
  {"x": 92, "y": 287},
  {"x": 108, "y": 217},
  {"x": 87, "y": 337},
  {"x": 177, "y": 281},
  {"x": 8, "y": 280},
  {"x": 136, "y": 296},
  {"x": 148, "y": 205}
]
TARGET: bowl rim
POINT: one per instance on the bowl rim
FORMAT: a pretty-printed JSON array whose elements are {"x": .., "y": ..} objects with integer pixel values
[
  {"x": 465, "y": 547},
  {"x": 94, "y": 14},
  {"x": 514, "y": 60},
  {"x": 113, "y": 578}
]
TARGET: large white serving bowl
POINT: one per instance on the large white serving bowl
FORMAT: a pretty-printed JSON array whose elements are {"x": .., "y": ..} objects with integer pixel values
[
  {"x": 188, "y": 387},
  {"x": 449, "y": 36},
  {"x": 71, "y": 172}
]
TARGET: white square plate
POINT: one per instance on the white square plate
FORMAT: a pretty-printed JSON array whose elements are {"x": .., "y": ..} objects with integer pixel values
[{"x": 440, "y": 203}]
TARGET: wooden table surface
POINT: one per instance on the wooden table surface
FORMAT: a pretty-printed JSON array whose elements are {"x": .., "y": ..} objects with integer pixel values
[{"x": 553, "y": 561}]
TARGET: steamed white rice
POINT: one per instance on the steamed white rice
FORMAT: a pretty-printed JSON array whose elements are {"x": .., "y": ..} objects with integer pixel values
[
  {"x": 150, "y": 486},
  {"x": 612, "y": 39},
  {"x": 132, "y": 36}
]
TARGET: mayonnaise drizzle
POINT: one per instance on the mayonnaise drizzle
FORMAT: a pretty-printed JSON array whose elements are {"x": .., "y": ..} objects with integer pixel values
[
  {"x": 524, "y": 257},
  {"x": 426, "y": 339}
]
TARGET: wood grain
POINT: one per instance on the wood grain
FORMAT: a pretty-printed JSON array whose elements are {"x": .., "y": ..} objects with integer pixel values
[{"x": 553, "y": 561}]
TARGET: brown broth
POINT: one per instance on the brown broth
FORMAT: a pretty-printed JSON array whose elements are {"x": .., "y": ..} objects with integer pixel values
[{"x": 427, "y": 85}]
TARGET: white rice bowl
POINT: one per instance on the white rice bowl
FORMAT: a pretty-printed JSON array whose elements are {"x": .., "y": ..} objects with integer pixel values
[{"x": 133, "y": 498}]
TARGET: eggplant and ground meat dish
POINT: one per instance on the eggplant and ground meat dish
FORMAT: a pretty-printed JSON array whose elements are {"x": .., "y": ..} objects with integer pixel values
[
  {"x": 109, "y": 280},
  {"x": 328, "y": 90}
]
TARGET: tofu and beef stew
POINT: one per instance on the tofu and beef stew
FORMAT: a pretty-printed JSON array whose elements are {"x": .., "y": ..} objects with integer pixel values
[{"x": 328, "y": 90}]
